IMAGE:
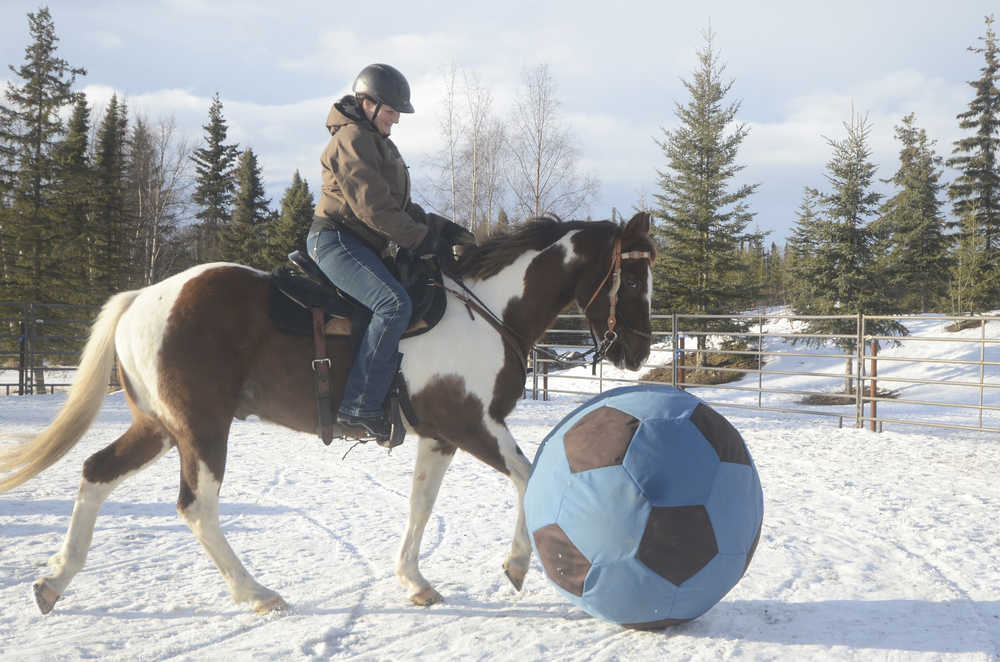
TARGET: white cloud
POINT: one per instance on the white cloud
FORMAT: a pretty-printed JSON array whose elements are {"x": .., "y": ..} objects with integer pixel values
[
  {"x": 107, "y": 40},
  {"x": 797, "y": 138}
]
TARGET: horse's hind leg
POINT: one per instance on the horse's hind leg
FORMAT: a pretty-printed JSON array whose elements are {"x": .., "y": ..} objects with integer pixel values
[
  {"x": 433, "y": 459},
  {"x": 202, "y": 467},
  {"x": 140, "y": 446}
]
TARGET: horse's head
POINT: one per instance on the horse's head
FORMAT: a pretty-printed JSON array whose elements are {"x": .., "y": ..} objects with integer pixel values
[{"x": 615, "y": 294}]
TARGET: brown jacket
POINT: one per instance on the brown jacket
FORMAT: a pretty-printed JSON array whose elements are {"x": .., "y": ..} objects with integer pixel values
[{"x": 366, "y": 185}]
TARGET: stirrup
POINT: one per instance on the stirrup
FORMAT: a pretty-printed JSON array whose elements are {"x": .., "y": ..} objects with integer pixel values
[{"x": 396, "y": 426}]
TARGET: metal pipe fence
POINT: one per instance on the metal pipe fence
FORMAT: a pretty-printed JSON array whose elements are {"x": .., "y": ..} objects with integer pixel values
[
  {"x": 762, "y": 354},
  {"x": 40, "y": 344}
]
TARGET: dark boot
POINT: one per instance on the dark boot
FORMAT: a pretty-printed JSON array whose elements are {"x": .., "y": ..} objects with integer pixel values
[{"x": 377, "y": 426}]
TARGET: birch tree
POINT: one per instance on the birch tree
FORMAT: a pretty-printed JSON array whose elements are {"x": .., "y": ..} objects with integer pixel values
[{"x": 543, "y": 175}]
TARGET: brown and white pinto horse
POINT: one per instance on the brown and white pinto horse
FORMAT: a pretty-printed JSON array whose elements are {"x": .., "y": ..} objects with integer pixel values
[{"x": 198, "y": 349}]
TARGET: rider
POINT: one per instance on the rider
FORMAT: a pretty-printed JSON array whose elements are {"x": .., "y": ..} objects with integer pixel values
[{"x": 364, "y": 205}]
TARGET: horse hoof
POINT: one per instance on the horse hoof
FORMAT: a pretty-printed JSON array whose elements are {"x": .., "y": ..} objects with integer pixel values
[
  {"x": 45, "y": 596},
  {"x": 271, "y": 605},
  {"x": 515, "y": 574},
  {"x": 426, "y": 597}
]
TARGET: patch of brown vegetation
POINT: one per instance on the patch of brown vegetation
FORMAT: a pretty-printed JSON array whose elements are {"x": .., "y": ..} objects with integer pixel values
[
  {"x": 962, "y": 325},
  {"x": 709, "y": 373},
  {"x": 841, "y": 398}
]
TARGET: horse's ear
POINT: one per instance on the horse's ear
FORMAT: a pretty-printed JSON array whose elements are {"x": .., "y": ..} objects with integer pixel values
[{"x": 638, "y": 225}]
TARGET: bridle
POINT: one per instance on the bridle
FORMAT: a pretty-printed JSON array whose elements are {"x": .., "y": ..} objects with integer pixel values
[
  {"x": 615, "y": 274},
  {"x": 600, "y": 350}
]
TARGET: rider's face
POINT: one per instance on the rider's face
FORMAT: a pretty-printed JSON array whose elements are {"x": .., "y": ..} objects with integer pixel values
[{"x": 387, "y": 116}]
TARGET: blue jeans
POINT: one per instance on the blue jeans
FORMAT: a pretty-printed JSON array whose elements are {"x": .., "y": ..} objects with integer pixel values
[{"x": 357, "y": 270}]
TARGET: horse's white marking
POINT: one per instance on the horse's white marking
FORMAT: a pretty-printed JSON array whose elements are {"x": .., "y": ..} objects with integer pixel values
[
  {"x": 428, "y": 472},
  {"x": 70, "y": 559},
  {"x": 520, "y": 469},
  {"x": 477, "y": 363},
  {"x": 140, "y": 332},
  {"x": 202, "y": 516}
]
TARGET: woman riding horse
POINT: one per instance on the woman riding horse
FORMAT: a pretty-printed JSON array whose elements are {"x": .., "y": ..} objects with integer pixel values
[{"x": 365, "y": 204}]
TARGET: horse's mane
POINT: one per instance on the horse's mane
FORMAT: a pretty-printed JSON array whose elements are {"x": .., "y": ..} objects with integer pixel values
[{"x": 499, "y": 251}]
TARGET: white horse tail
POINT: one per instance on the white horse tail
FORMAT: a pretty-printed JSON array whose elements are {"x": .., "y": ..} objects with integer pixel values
[{"x": 29, "y": 459}]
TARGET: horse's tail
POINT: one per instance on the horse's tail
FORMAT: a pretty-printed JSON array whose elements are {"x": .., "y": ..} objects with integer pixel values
[{"x": 29, "y": 459}]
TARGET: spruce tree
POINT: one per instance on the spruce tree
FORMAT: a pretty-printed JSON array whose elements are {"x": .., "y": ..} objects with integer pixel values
[
  {"x": 289, "y": 232},
  {"x": 976, "y": 190},
  {"x": 31, "y": 131},
  {"x": 244, "y": 237},
  {"x": 704, "y": 215},
  {"x": 803, "y": 258},
  {"x": 775, "y": 284},
  {"x": 502, "y": 225},
  {"x": 143, "y": 192},
  {"x": 835, "y": 270},
  {"x": 7, "y": 172},
  {"x": 74, "y": 205},
  {"x": 911, "y": 244},
  {"x": 112, "y": 264},
  {"x": 215, "y": 183},
  {"x": 970, "y": 288}
]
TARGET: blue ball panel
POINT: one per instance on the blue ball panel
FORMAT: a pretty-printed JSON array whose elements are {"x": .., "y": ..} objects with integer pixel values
[
  {"x": 544, "y": 495},
  {"x": 735, "y": 507},
  {"x": 604, "y": 513},
  {"x": 627, "y": 592},
  {"x": 671, "y": 462},
  {"x": 648, "y": 401},
  {"x": 700, "y": 593}
]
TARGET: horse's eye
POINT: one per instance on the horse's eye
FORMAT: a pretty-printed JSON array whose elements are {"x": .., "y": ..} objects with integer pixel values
[{"x": 631, "y": 283}]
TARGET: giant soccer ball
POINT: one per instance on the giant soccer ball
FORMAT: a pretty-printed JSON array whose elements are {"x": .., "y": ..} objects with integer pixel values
[{"x": 644, "y": 506}]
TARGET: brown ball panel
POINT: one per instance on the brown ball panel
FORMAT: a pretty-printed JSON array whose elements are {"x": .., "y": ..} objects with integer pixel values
[
  {"x": 563, "y": 562},
  {"x": 599, "y": 439},
  {"x": 721, "y": 434},
  {"x": 678, "y": 542}
]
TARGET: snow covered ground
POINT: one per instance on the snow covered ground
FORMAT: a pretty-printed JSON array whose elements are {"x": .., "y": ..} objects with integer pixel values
[{"x": 874, "y": 546}]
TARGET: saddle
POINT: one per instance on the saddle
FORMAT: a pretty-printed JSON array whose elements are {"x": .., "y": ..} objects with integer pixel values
[
  {"x": 296, "y": 291},
  {"x": 303, "y": 301}
]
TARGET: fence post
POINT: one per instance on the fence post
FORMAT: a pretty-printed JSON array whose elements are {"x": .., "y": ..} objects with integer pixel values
[
  {"x": 681, "y": 376},
  {"x": 859, "y": 370},
  {"x": 534, "y": 373},
  {"x": 982, "y": 365},
  {"x": 873, "y": 388},
  {"x": 760, "y": 360},
  {"x": 22, "y": 350},
  {"x": 673, "y": 346},
  {"x": 600, "y": 376},
  {"x": 545, "y": 379}
]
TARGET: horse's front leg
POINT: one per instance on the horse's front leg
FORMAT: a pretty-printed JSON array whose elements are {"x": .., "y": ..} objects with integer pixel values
[
  {"x": 433, "y": 459},
  {"x": 519, "y": 469}
]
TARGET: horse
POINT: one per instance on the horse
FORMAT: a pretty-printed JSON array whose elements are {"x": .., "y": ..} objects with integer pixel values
[{"x": 199, "y": 348}]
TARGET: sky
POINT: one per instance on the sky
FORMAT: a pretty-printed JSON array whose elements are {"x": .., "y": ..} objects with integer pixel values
[{"x": 798, "y": 69}]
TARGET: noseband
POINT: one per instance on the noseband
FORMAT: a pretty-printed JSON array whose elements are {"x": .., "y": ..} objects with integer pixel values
[{"x": 615, "y": 274}]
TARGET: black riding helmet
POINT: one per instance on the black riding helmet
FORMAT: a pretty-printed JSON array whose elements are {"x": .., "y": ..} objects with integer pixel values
[{"x": 385, "y": 85}]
